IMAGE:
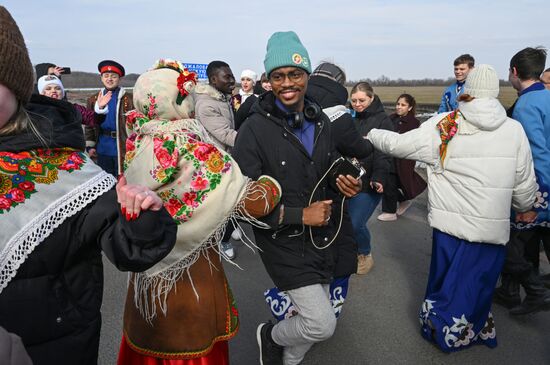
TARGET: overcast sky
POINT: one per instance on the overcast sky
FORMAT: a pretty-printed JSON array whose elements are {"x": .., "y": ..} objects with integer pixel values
[{"x": 368, "y": 38}]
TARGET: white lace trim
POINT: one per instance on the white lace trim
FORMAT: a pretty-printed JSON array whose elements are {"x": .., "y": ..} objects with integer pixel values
[{"x": 37, "y": 230}]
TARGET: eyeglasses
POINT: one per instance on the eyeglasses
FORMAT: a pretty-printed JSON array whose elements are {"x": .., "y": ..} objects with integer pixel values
[{"x": 279, "y": 77}]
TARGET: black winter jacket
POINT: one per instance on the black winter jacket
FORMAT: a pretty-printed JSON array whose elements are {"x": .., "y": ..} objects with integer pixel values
[
  {"x": 53, "y": 303},
  {"x": 347, "y": 140},
  {"x": 377, "y": 165},
  {"x": 244, "y": 111},
  {"x": 266, "y": 145}
]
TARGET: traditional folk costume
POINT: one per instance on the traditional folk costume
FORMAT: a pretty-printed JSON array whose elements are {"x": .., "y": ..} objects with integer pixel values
[
  {"x": 107, "y": 133},
  {"x": 182, "y": 310},
  {"x": 478, "y": 164},
  {"x": 59, "y": 211}
]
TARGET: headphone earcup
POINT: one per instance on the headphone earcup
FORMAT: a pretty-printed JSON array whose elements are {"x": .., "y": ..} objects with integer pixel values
[
  {"x": 295, "y": 120},
  {"x": 312, "y": 111}
]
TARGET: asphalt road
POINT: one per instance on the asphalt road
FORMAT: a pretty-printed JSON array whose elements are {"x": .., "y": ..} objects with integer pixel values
[{"x": 378, "y": 324}]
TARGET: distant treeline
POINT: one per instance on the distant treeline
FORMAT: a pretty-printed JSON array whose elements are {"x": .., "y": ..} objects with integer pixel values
[
  {"x": 80, "y": 79},
  {"x": 386, "y": 81}
]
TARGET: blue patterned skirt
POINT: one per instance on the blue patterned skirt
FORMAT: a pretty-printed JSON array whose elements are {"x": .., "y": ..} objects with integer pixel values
[
  {"x": 456, "y": 310},
  {"x": 282, "y": 308}
]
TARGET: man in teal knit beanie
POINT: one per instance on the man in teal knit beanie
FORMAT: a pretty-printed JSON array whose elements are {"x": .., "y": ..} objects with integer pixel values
[{"x": 288, "y": 136}]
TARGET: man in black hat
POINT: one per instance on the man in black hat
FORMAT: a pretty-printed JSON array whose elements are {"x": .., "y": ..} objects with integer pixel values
[{"x": 107, "y": 141}]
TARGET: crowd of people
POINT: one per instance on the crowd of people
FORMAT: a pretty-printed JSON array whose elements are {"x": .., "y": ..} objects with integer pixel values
[{"x": 160, "y": 180}]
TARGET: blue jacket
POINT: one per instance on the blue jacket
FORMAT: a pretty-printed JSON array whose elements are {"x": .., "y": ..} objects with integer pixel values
[
  {"x": 532, "y": 110},
  {"x": 448, "y": 100}
]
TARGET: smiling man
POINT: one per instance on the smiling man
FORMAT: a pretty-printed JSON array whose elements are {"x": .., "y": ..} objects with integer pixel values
[
  {"x": 287, "y": 136},
  {"x": 462, "y": 67},
  {"x": 107, "y": 141},
  {"x": 213, "y": 109}
]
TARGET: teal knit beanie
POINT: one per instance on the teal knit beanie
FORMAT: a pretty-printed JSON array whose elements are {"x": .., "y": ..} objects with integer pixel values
[{"x": 284, "y": 49}]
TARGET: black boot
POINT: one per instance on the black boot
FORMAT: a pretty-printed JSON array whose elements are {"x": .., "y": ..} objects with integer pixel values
[
  {"x": 537, "y": 298},
  {"x": 507, "y": 294}
]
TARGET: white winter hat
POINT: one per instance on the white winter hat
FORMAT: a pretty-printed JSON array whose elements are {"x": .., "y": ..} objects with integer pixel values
[
  {"x": 47, "y": 80},
  {"x": 482, "y": 82},
  {"x": 250, "y": 75}
]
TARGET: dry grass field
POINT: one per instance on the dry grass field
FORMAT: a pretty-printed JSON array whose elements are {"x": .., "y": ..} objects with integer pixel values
[
  {"x": 429, "y": 96},
  {"x": 432, "y": 94}
]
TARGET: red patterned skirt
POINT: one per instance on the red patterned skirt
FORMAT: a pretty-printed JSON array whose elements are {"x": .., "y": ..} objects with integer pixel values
[{"x": 219, "y": 355}]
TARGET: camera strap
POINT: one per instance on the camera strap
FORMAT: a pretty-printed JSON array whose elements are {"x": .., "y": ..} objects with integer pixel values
[{"x": 341, "y": 210}]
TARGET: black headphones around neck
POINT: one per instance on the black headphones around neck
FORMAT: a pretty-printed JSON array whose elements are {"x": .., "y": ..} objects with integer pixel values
[{"x": 311, "y": 112}]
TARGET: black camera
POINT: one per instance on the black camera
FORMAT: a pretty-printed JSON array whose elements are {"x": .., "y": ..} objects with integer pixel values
[{"x": 345, "y": 166}]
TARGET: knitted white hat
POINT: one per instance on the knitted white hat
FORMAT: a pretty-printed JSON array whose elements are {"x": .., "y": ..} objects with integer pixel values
[
  {"x": 47, "y": 80},
  {"x": 250, "y": 75},
  {"x": 482, "y": 82}
]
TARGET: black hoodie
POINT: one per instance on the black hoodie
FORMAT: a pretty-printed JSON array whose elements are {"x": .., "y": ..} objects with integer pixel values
[
  {"x": 328, "y": 93},
  {"x": 378, "y": 164}
]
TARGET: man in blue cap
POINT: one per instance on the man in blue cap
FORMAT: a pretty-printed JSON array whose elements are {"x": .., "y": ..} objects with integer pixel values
[
  {"x": 288, "y": 137},
  {"x": 107, "y": 141}
]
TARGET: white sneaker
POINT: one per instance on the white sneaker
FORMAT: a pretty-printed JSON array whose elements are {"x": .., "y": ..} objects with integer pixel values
[
  {"x": 387, "y": 217},
  {"x": 403, "y": 206},
  {"x": 237, "y": 234},
  {"x": 227, "y": 250}
]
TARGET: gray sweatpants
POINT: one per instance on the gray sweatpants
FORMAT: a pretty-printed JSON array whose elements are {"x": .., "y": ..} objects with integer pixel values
[{"x": 315, "y": 322}]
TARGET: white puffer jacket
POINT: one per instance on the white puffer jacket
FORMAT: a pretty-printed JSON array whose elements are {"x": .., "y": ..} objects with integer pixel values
[{"x": 487, "y": 169}]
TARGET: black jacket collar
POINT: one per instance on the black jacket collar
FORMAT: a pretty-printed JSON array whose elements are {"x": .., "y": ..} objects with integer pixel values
[
  {"x": 374, "y": 108},
  {"x": 57, "y": 121}
]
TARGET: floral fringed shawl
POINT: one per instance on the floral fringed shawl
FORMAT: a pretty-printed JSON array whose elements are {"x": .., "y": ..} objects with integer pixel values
[{"x": 202, "y": 187}]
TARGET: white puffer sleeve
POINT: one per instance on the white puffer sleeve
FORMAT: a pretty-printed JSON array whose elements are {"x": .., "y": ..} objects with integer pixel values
[{"x": 419, "y": 144}]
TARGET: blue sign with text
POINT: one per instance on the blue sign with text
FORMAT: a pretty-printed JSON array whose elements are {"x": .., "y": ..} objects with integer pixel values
[{"x": 198, "y": 68}]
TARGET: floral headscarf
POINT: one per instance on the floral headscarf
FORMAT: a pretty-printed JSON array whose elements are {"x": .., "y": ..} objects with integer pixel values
[{"x": 164, "y": 92}]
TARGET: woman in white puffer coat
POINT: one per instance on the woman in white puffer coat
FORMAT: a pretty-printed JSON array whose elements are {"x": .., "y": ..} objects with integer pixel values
[{"x": 479, "y": 166}]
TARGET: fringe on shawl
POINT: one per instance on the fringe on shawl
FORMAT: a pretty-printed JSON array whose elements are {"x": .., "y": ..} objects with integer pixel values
[{"x": 151, "y": 292}]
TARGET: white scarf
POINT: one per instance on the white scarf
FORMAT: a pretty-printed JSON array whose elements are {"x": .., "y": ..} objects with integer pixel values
[{"x": 244, "y": 95}]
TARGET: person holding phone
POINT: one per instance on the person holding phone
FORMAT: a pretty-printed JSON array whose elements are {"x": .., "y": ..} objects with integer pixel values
[
  {"x": 46, "y": 68},
  {"x": 52, "y": 87}
]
